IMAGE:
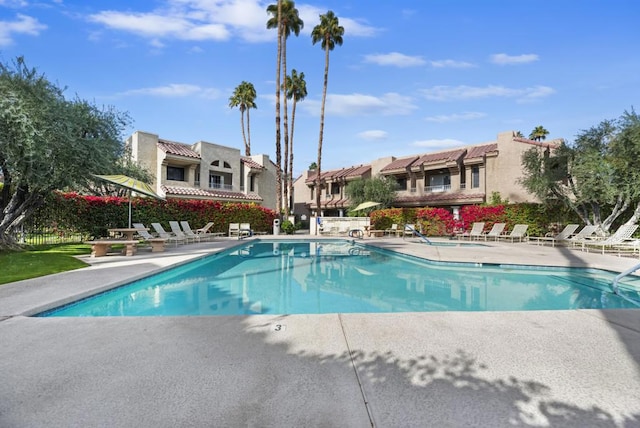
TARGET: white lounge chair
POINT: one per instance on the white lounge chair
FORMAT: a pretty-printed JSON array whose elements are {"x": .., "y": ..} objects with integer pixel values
[
  {"x": 166, "y": 235},
  {"x": 586, "y": 233},
  {"x": 619, "y": 238},
  {"x": 562, "y": 236},
  {"x": 519, "y": 233},
  {"x": 186, "y": 228},
  {"x": 495, "y": 232},
  {"x": 245, "y": 230},
  {"x": 475, "y": 233},
  {"x": 178, "y": 232},
  {"x": 234, "y": 229},
  {"x": 393, "y": 230}
]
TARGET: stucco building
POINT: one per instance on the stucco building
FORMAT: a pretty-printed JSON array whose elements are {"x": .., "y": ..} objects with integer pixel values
[
  {"x": 449, "y": 179},
  {"x": 204, "y": 170}
]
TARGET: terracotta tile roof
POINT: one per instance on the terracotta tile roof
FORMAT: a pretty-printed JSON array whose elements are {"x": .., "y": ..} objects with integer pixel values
[
  {"x": 251, "y": 163},
  {"x": 177, "y": 149},
  {"x": 335, "y": 174},
  {"x": 211, "y": 194},
  {"x": 400, "y": 164},
  {"x": 449, "y": 156},
  {"x": 479, "y": 151}
]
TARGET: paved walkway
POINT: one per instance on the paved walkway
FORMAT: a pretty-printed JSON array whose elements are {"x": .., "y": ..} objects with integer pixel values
[{"x": 452, "y": 369}]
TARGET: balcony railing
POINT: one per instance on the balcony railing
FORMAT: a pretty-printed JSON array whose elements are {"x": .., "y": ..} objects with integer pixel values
[
  {"x": 413, "y": 190},
  {"x": 218, "y": 186},
  {"x": 438, "y": 189}
]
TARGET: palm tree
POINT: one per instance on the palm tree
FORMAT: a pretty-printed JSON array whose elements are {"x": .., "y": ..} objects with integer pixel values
[
  {"x": 286, "y": 19},
  {"x": 538, "y": 133},
  {"x": 244, "y": 97},
  {"x": 296, "y": 89},
  {"x": 519, "y": 134},
  {"x": 329, "y": 33}
]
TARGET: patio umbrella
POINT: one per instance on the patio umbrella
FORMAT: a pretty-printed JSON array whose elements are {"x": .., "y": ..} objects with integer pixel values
[
  {"x": 365, "y": 205},
  {"x": 133, "y": 185}
]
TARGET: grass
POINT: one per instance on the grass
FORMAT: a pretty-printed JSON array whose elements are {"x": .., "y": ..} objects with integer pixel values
[{"x": 40, "y": 261}]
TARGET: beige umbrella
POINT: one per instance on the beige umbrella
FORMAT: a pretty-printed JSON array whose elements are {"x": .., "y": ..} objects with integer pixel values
[
  {"x": 133, "y": 185},
  {"x": 365, "y": 205}
]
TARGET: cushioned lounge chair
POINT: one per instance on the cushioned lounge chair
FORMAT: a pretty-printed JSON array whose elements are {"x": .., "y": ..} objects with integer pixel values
[{"x": 562, "y": 236}]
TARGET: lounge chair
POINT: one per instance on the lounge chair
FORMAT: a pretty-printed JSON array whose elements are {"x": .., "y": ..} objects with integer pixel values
[
  {"x": 234, "y": 229},
  {"x": 519, "y": 233},
  {"x": 619, "y": 238},
  {"x": 186, "y": 228},
  {"x": 495, "y": 232},
  {"x": 475, "y": 233},
  {"x": 178, "y": 232},
  {"x": 393, "y": 230},
  {"x": 157, "y": 243},
  {"x": 409, "y": 229},
  {"x": 143, "y": 232},
  {"x": 586, "y": 233},
  {"x": 562, "y": 236},
  {"x": 166, "y": 235},
  {"x": 245, "y": 230}
]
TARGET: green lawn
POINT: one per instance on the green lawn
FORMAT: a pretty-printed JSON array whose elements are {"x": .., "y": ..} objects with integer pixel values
[{"x": 41, "y": 261}]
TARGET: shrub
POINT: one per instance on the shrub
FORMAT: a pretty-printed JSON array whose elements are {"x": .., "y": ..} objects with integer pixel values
[{"x": 287, "y": 227}]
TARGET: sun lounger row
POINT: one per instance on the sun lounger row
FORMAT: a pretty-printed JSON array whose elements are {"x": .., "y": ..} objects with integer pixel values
[
  {"x": 517, "y": 234},
  {"x": 181, "y": 232}
]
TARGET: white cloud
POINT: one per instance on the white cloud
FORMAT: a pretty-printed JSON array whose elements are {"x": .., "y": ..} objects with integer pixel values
[
  {"x": 373, "y": 134},
  {"x": 438, "y": 144},
  {"x": 22, "y": 25},
  {"x": 450, "y": 63},
  {"x": 174, "y": 90},
  {"x": 395, "y": 59},
  {"x": 463, "y": 92},
  {"x": 472, "y": 115},
  {"x": 390, "y": 104},
  {"x": 504, "y": 59}
]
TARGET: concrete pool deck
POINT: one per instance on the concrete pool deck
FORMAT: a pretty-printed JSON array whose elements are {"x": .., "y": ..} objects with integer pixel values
[{"x": 578, "y": 368}]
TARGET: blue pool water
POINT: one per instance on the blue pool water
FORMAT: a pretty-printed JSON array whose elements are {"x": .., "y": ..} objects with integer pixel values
[{"x": 264, "y": 277}]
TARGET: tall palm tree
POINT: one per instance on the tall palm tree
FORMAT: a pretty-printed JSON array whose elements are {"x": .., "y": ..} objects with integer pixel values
[
  {"x": 329, "y": 33},
  {"x": 284, "y": 17},
  {"x": 538, "y": 133},
  {"x": 296, "y": 89},
  {"x": 244, "y": 97}
]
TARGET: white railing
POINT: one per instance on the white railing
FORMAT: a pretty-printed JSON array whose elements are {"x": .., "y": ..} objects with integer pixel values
[
  {"x": 413, "y": 190},
  {"x": 438, "y": 189},
  {"x": 218, "y": 186}
]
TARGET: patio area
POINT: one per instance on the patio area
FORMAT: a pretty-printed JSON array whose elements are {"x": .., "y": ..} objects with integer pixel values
[{"x": 575, "y": 368}]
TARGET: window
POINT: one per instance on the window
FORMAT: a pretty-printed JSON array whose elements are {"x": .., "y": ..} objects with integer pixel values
[
  {"x": 402, "y": 183},
  {"x": 463, "y": 177},
  {"x": 215, "y": 181},
  {"x": 475, "y": 177},
  {"x": 335, "y": 188},
  {"x": 252, "y": 183},
  {"x": 226, "y": 165},
  {"x": 175, "y": 173}
]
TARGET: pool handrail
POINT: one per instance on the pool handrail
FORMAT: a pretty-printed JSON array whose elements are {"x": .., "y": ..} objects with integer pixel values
[
  {"x": 616, "y": 280},
  {"x": 413, "y": 229}
]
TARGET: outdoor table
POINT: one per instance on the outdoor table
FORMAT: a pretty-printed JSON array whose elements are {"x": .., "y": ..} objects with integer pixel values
[{"x": 127, "y": 232}]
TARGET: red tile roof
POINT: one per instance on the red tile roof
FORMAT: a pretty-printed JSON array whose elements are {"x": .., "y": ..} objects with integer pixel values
[
  {"x": 479, "y": 151},
  {"x": 554, "y": 144},
  {"x": 211, "y": 194},
  {"x": 177, "y": 149},
  {"x": 449, "y": 156},
  {"x": 335, "y": 174},
  {"x": 251, "y": 163},
  {"x": 400, "y": 164}
]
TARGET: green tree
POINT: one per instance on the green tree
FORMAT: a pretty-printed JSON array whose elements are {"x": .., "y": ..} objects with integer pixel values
[
  {"x": 286, "y": 19},
  {"x": 313, "y": 166},
  {"x": 539, "y": 133},
  {"x": 329, "y": 33},
  {"x": 296, "y": 89},
  {"x": 596, "y": 176},
  {"x": 244, "y": 97},
  {"x": 377, "y": 189},
  {"x": 48, "y": 142}
]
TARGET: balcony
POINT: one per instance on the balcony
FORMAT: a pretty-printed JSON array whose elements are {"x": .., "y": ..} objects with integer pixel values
[
  {"x": 438, "y": 189},
  {"x": 223, "y": 187}
]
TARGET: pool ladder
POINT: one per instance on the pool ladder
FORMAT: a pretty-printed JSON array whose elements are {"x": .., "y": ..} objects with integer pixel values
[
  {"x": 413, "y": 229},
  {"x": 616, "y": 280}
]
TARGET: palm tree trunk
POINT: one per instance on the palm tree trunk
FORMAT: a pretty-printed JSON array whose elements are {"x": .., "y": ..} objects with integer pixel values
[
  {"x": 293, "y": 121},
  {"x": 286, "y": 128},
  {"x": 324, "y": 98},
  {"x": 247, "y": 150},
  {"x": 278, "y": 154}
]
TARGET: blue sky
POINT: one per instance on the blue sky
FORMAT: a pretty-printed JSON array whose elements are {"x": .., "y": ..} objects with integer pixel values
[{"x": 411, "y": 77}]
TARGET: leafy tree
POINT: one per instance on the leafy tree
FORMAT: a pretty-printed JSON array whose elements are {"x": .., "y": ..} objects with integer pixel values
[
  {"x": 596, "y": 176},
  {"x": 296, "y": 89},
  {"x": 377, "y": 189},
  {"x": 313, "y": 166},
  {"x": 284, "y": 17},
  {"x": 539, "y": 133},
  {"x": 48, "y": 142},
  {"x": 329, "y": 33},
  {"x": 244, "y": 97}
]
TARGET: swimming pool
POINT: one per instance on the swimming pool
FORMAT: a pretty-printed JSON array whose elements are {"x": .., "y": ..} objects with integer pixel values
[{"x": 302, "y": 277}]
